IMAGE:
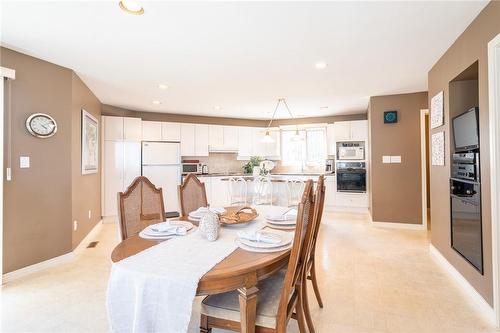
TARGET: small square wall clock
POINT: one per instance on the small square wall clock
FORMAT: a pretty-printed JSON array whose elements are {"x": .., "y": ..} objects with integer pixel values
[{"x": 390, "y": 117}]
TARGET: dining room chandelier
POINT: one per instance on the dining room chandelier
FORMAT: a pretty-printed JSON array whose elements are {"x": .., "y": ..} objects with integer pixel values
[{"x": 267, "y": 136}]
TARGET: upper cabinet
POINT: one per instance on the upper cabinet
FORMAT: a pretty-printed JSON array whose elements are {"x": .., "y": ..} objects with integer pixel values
[
  {"x": 151, "y": 131},
  {"x": 132, "y": 129},
  {"x": 122, "y": 128},
  {"x": 201, "y": 140},
  {"x": 245, "y": 142},
  {"x": 113, "y": 128},
  {"x": 187, "y": 140},
  {"x": 356, "y": 130},
  {"x": 223, "y": 138},
  {"x": 330, "y": 140},
  {"x": 171, "y": 132},
  {"x": 194, "y": 140}
]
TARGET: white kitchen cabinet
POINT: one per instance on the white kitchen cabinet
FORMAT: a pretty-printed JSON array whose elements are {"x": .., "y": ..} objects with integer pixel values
[
  {"x": 113, "y": 175},
  {"x": 245, "y": 142},
  {"x": 170, "y": 131},
  {"x": 330, "y": 140},
  {"x": 113, "y": 128},
  {"x": 220, "y": 192},
  {"x": 342, "y": 130},
  {"x": 351, "y": 200},
  {"x": 132, "y": 129},
  {"x": 259, "y": 147},
  {"x": 151, "y": 131},
  {"x": 216, "y": 137},
  {"x": 201, "y": 140},
  {"x": 230, "y": 137},
  {"x": 359, "y": 130},
  {"x": 208, "y": 187},
  {"x": 188, "y": 140},
  {"x": 131, "y": 162},
  {"x": 356, "y": 130},
  {"x": 330, "y": 191}
]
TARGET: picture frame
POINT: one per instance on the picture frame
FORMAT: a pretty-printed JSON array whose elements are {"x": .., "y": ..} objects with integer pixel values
[
  {"x": 437, "y": 110},
  {"x": 89, "y": 144}
]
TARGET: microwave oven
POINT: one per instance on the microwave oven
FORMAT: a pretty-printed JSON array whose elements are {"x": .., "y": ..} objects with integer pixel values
[
  {"x": 195, "y": 168},
  {"x": 350, "y": 151}
]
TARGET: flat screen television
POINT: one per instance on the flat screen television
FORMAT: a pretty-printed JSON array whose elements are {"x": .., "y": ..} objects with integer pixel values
[{"x": 466, "y": 130}]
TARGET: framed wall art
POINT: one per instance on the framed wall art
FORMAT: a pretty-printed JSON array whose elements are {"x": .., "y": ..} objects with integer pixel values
[{"x": 90, "y": 144}]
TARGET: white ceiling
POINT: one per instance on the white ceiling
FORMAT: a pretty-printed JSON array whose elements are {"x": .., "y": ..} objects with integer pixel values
[{"x": 242, "y": 56}]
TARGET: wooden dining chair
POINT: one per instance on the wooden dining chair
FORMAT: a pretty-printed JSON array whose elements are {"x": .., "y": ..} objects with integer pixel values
[
  {"x": 139, "y": 206},
  {"x": 310, "y": 268},
  {"x": 192, "y": 194},
  {"x": 280, "y": 295}
]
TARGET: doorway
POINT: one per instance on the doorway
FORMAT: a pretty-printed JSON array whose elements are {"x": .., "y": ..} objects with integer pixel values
[{"x": 425, "y": 168}]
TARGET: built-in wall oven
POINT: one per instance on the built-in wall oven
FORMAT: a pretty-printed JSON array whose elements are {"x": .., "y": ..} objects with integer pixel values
[{"x": 351, "y": 177}]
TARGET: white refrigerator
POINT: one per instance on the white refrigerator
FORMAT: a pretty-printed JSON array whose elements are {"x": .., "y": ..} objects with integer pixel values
[{"x": 161, "y": 164}]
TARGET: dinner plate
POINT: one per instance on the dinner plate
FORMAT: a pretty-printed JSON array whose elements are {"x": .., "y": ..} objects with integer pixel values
[
  {"x": 281, "y": 227},
  {"x": 255, "y": 249},
  {"x": 198, "y": 214},
  {"x": 281, "y": 218},
  {"x": 149, "y": 230},
  {"x": 283, "y": 223},
  {"x": 286, "y": 239}
]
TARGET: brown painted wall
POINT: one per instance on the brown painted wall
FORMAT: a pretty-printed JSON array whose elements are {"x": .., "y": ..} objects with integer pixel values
[
  {"x": 396, "y": 189},
  {"x": 471, "y": 46},
  {"x": 86, "y": 189},
  {"x": 37, "y": 202},
  {"x": 109, "y": 110}
]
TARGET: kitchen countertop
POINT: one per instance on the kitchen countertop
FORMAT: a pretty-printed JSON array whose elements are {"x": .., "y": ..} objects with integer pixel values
[{"x": 236, "y": 174}]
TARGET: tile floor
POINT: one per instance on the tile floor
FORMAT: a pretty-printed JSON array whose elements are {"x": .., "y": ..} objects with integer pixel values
[{"x": 372, "y": 280}]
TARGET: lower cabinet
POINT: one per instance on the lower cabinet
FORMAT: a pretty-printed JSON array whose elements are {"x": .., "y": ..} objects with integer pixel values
[
  {"x": 219, "y": 192},
  {"x": 208, "y": 187},
  {"x": 354, "y": 200}
]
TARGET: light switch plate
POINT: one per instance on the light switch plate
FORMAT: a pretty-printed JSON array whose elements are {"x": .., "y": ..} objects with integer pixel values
[
  {"x": 24, "y": 162},
  {"x": 395, "y": 159},
  {"x": 386, "y": 159}
]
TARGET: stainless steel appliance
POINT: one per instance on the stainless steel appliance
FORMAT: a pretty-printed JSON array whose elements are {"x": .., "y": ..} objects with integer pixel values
[
  {"x": 351, "y": 150},
  {"x": 161, "y": 163},
  {"x": 204, "y": 169},
  {"x": 329, "y": 166},
  {"x": 466, "y": 229},
  {"x": 351, "y": 177},
  {"x": 191, "y": 167}
]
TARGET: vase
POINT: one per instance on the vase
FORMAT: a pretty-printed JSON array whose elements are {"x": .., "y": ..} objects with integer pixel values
[
  {"x": 209, "y": 226},
  {"x": 256, "y": 171}
]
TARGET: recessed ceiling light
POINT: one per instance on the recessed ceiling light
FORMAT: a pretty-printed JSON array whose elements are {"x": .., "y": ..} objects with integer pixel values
[
  {"x": 132, "y": 7},
  {"x": 155, "y": 102},
  {"x": 321, "y": 65},
  {"x": 217, "y": 107},
  {"x": 162, "y": 86}
]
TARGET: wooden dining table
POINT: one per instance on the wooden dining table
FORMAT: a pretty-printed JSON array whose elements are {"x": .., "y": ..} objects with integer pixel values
[{"x": 241, "y": 271}]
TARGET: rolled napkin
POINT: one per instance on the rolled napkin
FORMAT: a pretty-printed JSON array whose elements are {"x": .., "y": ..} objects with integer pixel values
[
  {"x": 286, "y": 216},
  {"x": 216, "y": 210},
  {"x": 260, "y": 236},
  {"x": 167, "y": 228}
]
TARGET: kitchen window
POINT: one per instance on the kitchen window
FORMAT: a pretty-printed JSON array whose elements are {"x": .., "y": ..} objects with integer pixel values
[{"x": 307, "y": 148}]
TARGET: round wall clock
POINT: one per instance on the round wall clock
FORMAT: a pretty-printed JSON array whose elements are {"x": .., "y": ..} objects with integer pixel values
[{"x": 41, "y": 125}]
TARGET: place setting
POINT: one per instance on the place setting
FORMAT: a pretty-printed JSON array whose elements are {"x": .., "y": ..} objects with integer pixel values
[
  {"x": 264, "y": 240},
  {"x": 166, "y": 230},
  {"x": 282, "y": 221}
]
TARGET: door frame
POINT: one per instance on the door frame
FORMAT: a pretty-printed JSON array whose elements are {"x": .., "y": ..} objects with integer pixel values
[
  {"x": 423, "y": 165},
  {"x": 5, "y": 73},
  {"x": 494, "y": 118}
]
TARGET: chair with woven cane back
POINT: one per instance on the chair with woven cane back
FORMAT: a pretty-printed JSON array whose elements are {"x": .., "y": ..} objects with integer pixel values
[
  {"x": 139, "y": 206},
  {"x": 192, "y": 195},
  {"x": 280, "y": 295},
  {"x": 309, "y": 267}
]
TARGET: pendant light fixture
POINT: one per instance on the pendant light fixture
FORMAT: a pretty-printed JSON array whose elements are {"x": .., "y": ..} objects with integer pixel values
[{"x": 267, "y": 137}]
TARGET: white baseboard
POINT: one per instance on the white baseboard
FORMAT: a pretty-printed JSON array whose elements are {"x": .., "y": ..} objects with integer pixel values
[
  {"x": 17, "y": 274},
  {"x": 484, "y": 307},
  {"x": 90, "y": 236},
  {"x": 393, "y": 225},
  {"x": 65, "y": 258}
]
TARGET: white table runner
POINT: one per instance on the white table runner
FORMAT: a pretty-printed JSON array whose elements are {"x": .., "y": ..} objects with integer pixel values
[{"x": 153, "y": 291}]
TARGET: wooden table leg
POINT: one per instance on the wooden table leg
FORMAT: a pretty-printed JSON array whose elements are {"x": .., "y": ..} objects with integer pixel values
[{"x": 248, "y": 308}]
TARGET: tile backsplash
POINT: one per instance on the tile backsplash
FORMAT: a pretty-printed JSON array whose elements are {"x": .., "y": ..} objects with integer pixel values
[{"x": 227, "y": 162}]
